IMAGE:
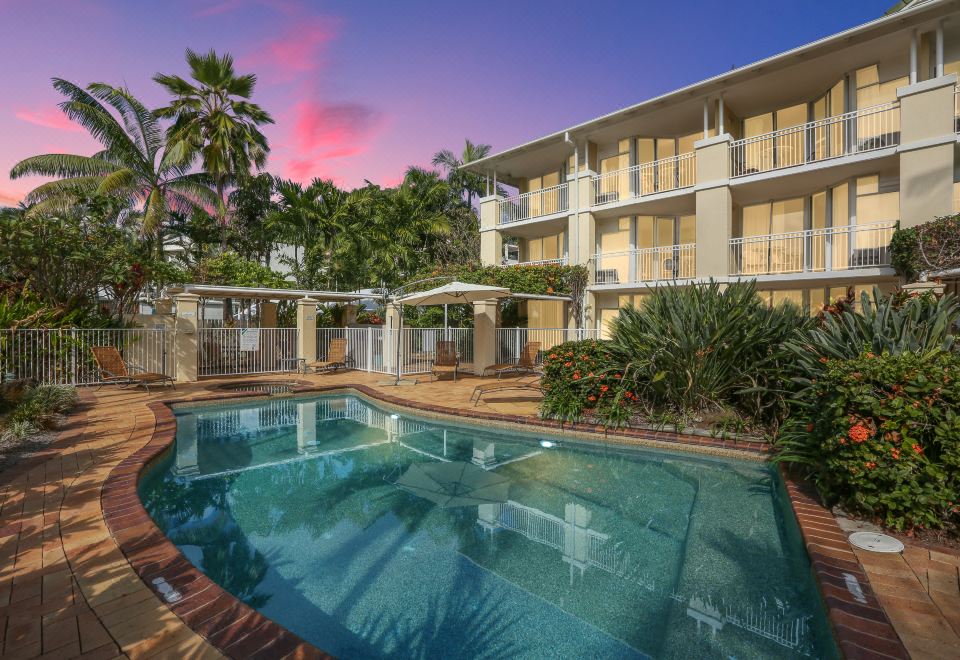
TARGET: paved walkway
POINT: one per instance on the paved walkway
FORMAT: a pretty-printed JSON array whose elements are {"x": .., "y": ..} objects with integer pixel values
[{"x": 920, "y": 592}]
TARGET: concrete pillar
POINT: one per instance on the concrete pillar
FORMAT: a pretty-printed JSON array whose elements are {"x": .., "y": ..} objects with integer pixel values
[
  {"x": 491, "y": 241},
  {"x": 581, "y": 226},
  {"x": 714, "y": 207},
  {"x": 484, "y": 335},
  {"x": 349, "y": 314},
  {"x": 927, "y": 142},
  {"x": 307, "y": 329},
  {"x": 268, "y": 314},
  {"x": 391, "y": 326},
  {"x": 186, "y": 337}
]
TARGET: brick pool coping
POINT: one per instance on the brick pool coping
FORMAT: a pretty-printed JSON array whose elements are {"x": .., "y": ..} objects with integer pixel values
[{"x": 860, "y": 626}]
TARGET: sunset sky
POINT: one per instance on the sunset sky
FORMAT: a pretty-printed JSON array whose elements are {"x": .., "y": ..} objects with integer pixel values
[{"x": 362, "y": 89}]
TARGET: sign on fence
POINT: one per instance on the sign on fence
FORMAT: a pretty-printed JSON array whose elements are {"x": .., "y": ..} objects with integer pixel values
[{"x": 250, "y": 339}]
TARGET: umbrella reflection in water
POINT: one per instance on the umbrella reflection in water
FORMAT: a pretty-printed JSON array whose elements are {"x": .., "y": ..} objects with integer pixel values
[{"x": 454, "y": 484}]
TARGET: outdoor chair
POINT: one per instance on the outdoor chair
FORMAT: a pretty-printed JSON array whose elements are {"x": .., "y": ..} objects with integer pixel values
[
  {"x": 526, "y": 363},
  {"x": 531, "y": 385},
  {"x": 336, "y": 357},
  {"x": 115, "y": 371},
  {"x": 446, "y": 360}
]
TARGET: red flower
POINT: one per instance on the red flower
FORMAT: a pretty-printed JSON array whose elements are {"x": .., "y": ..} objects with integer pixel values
[
  {"x": 568, "y": 364},
  {"x": 591, "y": 398},
  {"x": 917, "y": 448},
  {"x": 895, "y": 453},
  {"x": 823, "y": 360},
  {"x": 576, "y": 376},
  {"x": 859, "y": 433},
  {"x": 809, "y": 428},
  {"x": 604, "y": 388},
  {"x": 553, "y": 356},
  {"x": 870, "y": 465}
]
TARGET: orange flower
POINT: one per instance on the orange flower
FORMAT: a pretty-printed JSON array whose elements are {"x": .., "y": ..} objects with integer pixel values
[
  {"x": 917, "y": 448},
  {"x": 553, "y": 356},
  {"x": 591, "y": 398},
  {"x": 870, "y": 465},
  {"x": 823, "y": 360},
  {"x": 859, "y": 433},
  {"x": 604, "y": 388},
  {"x": 568, "y": 364},
  {"x": 895, "y": 453},
  {"x": 576, "y": 376}
]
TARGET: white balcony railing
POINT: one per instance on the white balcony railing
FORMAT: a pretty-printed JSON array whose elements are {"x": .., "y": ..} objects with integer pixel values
[
  {"x": 876, "y": 127},
  {"x": 546, "y": 201},
  {"x": 562, "y": 261},
  {"x": 673, "y": 262},
  {"x": 645, "y": 179},
  {"x": 813, "y": 250},
  {"x": 956, "y": 110}
]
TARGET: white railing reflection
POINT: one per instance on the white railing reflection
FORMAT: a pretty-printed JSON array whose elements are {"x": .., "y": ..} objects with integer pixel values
[
  {"x": 832, "y": 248},
  {"x": 645, "y": 179},
  {"x": 876, "y": 127}
]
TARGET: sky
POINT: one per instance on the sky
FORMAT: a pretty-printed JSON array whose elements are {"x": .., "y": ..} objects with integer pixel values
[{"x": 362, "y": 89}]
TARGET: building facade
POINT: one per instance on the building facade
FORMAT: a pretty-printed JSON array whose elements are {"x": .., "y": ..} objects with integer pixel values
[{"x": 792, "y": 171}]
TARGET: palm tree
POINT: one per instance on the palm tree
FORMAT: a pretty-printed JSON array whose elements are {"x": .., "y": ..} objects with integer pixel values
[
  {"x": 134, "y": 166},
  {"x": 464, "y": 184},
  {"x": 214, "y": 118},
  {"x": 317, "y": 219}
]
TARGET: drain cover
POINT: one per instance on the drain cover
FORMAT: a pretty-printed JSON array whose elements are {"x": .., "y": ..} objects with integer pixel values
[{"x": 875, "y": 542}]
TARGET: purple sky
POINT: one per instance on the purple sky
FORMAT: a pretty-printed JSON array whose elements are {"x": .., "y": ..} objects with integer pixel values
[{"x": 360, "y": 89}]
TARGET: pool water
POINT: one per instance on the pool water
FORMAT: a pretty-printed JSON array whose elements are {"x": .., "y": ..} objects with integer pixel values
[{"x": 376, "y": 535}]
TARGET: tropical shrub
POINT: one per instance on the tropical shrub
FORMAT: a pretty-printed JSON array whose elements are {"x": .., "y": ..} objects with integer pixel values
[
  {"x": 579, "y": 376},
  {"x": 880, "y": 434},
  {"x": 932, "y": 246},
  {"x": 39, "y": 410},
  {"x": 893, "y": 324},
  {"x": 701, "y": 349}
]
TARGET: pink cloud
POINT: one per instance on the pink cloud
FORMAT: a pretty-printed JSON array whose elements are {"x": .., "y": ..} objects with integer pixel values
[
  {"x": 333, "y": 126},
  {"x": 9, "y": 199},
  {"x": 227, "y": 6},
  {"x": 48, "y": 118},
  {"x": 298, "y": 50}
]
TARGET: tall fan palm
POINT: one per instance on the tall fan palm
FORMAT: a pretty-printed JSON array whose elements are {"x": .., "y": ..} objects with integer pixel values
[
  {"x": 464, "y": 184},
  {"x": 214, "y": 118},
  {"x": 133, "y": 165}
]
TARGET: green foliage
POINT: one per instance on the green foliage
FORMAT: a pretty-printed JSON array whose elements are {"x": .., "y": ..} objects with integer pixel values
[
  {"x": 547, "y": 279},
  {"x": 39, "y": 410},
  {"x": 705, "y": 349},
  {"x": 878, "y": 434},
  {"x": 580, "y": 376},
  {"x": 930, "y": 247},
  {"x": 892, "y": 324},
  {"x": 228, "y": 268}
]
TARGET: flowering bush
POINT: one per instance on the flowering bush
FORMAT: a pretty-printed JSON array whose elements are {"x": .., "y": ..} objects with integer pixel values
[
  {"x": 579, "y": 376},
  {"x": 881, "y": 436}
]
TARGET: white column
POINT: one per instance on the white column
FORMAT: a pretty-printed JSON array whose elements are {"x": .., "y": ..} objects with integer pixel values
[
  {"x": 939, "y": 71},
  {"x": 307, "y": 329},
  {"x": 484, "y": 335},
  {"x": 186, "y": 348}
]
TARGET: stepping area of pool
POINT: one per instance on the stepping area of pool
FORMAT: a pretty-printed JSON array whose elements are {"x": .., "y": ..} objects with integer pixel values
[{"x": 67, "y": 589}]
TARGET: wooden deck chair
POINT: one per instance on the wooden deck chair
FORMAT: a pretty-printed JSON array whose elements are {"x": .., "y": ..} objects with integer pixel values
[
  {"x": 531, "y": 385},
  {"x": 114, "y": 370},
  {"x": 446, "y": 360},
  {"x": 336, "y": 357},
  {"x": 525, "y": 364}
]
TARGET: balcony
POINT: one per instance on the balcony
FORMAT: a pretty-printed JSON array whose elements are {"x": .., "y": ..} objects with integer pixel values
[
  {"x": 561, "y": 261},
  {"x": 813, "y": 250},
  {"x": 527, "y": 206},
  {"x": 673, "y": 262},
  {"x": 956, "y": 110},
  {"x": 645, "y": 179},
  {"x": 869, "y": 129}
]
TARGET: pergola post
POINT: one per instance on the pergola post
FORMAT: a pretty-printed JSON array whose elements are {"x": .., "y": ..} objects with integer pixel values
[
  {"x": 391, "y": 335},
  {"x": 484, "y": 335},
  {"x": 307, "y": 329},
  {"x": 186, "y": 340}
]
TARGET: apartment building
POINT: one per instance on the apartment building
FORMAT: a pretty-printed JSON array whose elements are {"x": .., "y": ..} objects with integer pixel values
[{"x": 792, "y": 171}]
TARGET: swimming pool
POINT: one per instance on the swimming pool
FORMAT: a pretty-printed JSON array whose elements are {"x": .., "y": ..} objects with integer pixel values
[{"x": 371, "y": 534}]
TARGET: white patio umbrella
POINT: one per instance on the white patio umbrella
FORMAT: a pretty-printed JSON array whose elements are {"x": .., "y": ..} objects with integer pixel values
[{"x": 452, "y": 293}]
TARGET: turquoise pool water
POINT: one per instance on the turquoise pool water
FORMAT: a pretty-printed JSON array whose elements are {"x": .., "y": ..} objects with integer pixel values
[{"x": 376, "y": 535}]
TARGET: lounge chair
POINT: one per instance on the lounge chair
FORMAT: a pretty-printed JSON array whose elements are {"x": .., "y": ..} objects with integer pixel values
[
  {"x": 115, "y": 371},
  {"x": 530, "y": 385},
  {"x": 526, "y": 363},
  {"x": 446, "y": 360},
  {"x": 336, "y": 357}
]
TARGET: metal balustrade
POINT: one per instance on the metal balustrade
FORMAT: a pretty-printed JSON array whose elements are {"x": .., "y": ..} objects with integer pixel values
[
  {"x": 832, "y": 248},
  {"x": 672, "y": 262},
  {"x": 418, "y": 347},
  {"x": 545, "y": 201},
  {"x": 876, "y": 127},
  {"x": 560, "y": 261},
  {"x": 222, "y": 352},
  {"x": 510, "y": 341},
  {"x": 63, "y": 356},
  {"x": 650, "y": 178}
]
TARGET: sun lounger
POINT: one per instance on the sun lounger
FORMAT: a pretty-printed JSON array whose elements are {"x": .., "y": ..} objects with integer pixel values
[{"x": 114, "y": 370}]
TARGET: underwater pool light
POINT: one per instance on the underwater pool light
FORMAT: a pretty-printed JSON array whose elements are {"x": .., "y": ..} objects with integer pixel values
[{"x": 547, "y": 444}]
